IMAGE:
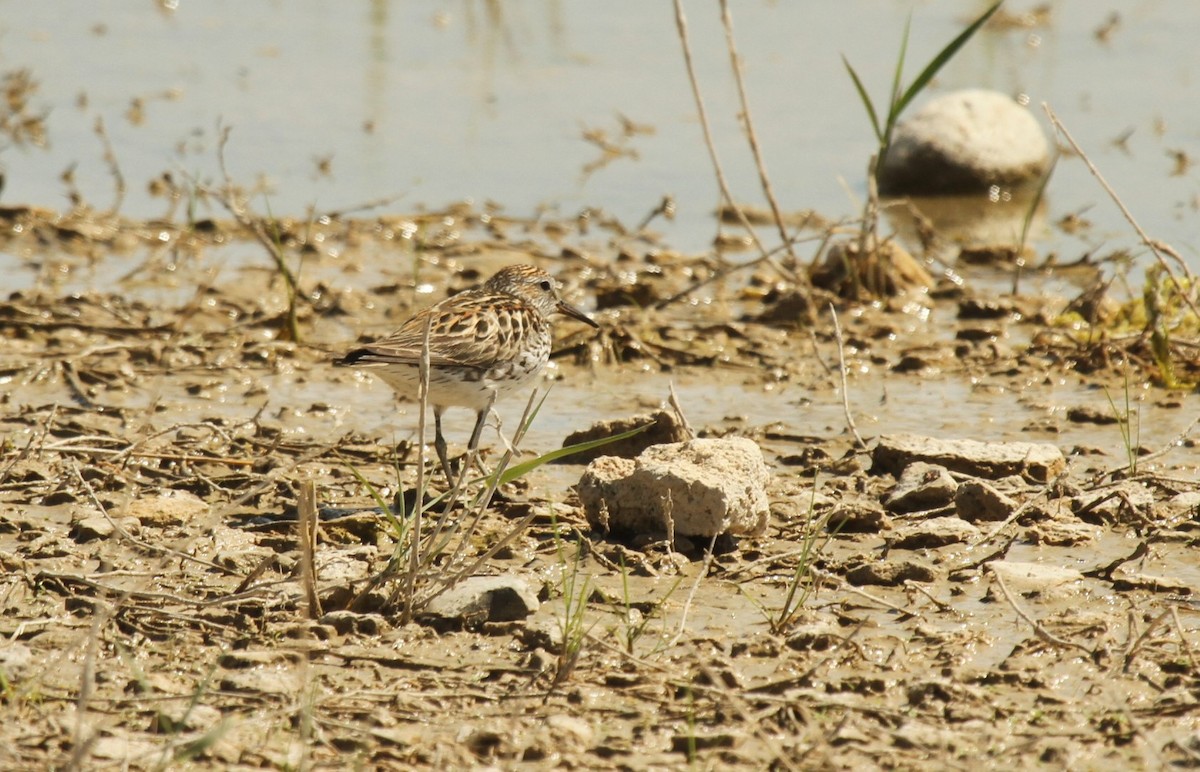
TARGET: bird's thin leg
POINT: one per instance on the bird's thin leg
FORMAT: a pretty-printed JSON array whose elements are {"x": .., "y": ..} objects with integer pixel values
[
  {"x": 473, "y": 445},
  {"x": 439, "y": 444}
]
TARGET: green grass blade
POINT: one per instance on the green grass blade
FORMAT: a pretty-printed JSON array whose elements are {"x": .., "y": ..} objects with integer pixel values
[
  {"x": 943, "y": 56},
  {"x": 894, "y": 106},
  {"x": 522, "y": 469},
  {"x": 866, "y": 99},
  {"x": 379, "y": 502}
]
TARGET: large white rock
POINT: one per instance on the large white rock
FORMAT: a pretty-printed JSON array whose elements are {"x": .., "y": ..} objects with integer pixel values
[
  {"x": 965, "y": 142},
  {"x": 703, "y": 487}
]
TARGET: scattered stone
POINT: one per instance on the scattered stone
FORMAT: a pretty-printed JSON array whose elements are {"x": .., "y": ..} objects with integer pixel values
[
  {"x": 704, "y": 487},
  {"x": 933, "y": 533},
  {"x": 791, "y": 309},
  {"x": 246, "y": 659},
  {"x": 858, "y": 517},
  {"x": 1037, "y": 578},
  {"x": 666, "y": 429},
  {"x": 1114, "y": 503},
  {"x": 987, "y": 308},
  {"x": 350, "y": 622},
  {"x": 1060, "y": 534},
  {"x": 818, "y": 635},
  {"x": 485, "y": 599},
  {"x": 921, "y": 486},
  {"x": 975, "y": 501},
  {"x": 891, "y": 573},
  {"x": 1124, "y": 579},
  {"x": 169, "y": 509},
  {"x": 1181, "y": 506},
  {"x": 95, "y": 525},
  {"x": 965, "y": 142},
  {"x": 989, "y": 460},
  {"x": 1090, "y": 415}
]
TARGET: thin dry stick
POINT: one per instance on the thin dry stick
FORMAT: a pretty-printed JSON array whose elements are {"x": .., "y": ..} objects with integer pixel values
[
  {"x": 713, "y": 687},
  {"x": 110, "y": 158},
  {"x": 687, "y": 603},
  {"x": 1135, "y": 645},
  {"x": 837, "y": 332},
  {"x": 83, "y": 737},
  {"x": 228, "y": 198},
  {"x": 1158, "y": 248},
  {"x": 1183, "y": 642},
  {"x": 306, "y": 518},
  {"x": 414, "y": 531},
  {"x": 752, "y": 136},
  {"x": 486, "y": 500},
  {"x": 845, "y": 586},
  {"x": 150, "y": 549},
  {"x": 1038, "y": 630},
  {"x": 726, "y": 271},
  {"x": 681, "y": 25},
  {"x": 673, "y": 401}
]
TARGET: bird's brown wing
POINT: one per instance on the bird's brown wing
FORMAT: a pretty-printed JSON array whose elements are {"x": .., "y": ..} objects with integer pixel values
[{"x": 471, "y": 329}]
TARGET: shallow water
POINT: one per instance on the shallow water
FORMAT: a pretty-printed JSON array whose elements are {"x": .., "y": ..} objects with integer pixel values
[{"x": 433, "y": 103}]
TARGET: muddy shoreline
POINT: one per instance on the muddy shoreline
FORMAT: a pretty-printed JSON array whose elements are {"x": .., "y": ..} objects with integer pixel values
[{"x": 158, "y": 436}]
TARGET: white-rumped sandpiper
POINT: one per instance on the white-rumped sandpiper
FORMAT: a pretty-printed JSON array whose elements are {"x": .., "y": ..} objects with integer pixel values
[{"x": 483, "y": 343}]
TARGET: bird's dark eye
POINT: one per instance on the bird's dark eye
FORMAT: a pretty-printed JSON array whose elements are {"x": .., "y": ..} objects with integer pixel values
[{"x": 546, "y": 285}]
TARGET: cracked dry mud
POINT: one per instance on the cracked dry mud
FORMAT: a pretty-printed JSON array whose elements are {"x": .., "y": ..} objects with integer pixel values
[{"x": 157, "y": 435}]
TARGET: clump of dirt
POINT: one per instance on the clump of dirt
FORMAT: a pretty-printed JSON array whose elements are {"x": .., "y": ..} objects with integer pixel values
[{"x": 162, "y": 602}]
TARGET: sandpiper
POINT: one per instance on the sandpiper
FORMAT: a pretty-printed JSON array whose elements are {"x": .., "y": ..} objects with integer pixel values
[{"x": 483, "y": 343}]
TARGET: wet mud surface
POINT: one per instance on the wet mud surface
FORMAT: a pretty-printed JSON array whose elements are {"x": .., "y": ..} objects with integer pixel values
[{"x": 159, "y": 606}]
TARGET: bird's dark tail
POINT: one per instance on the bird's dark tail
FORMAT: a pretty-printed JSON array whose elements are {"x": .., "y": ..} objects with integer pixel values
[{"x": 352, "y": 358}]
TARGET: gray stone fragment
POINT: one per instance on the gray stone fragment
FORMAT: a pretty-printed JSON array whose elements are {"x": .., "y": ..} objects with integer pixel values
[
  {"x": 170, "y": 508},
  {"x": 921, "y": 486},
  {"x": 890, "y": 573},
  {"x": 965, "y": 142},
  {"x": 1115, "y": 503},
  {"x": 932, "y": 533},
  {"x": 665, "y": 428},
  {"x": 92, "y": 525},
  {"x": 989, "y": 460},
  {"x": 485, "y": 599},
  {"x": 703, "y": 487},
  {"x": 350, "y": 622},
  {"x": 975, "y": 501}
]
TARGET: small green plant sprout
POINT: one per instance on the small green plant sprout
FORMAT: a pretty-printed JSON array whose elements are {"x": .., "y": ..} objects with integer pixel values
[
  {"x": 900, "y": 96},
  {"x": 800, "y": 584},
  {"x": 575, "y": 588},
  {"x": 1167, "y": 316},
  {"x": 636, "y": 617},
  {"x": 433, "y": 541},
  {"x": 1130, "y": 425}
]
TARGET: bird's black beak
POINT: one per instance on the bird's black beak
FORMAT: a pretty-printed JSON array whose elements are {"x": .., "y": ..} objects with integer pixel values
[{"x": 575, "y": 313}]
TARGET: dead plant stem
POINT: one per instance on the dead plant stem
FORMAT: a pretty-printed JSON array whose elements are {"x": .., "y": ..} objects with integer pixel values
[
  {"x": 1038, "y": 629},
  {"x": 837, "y": 334},
  {"x": 735, "y": 61},
  {"x": 726, "y": 193},
  {"x": 415, "y": 517},
  {"x": 1160, "y": 250}
]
